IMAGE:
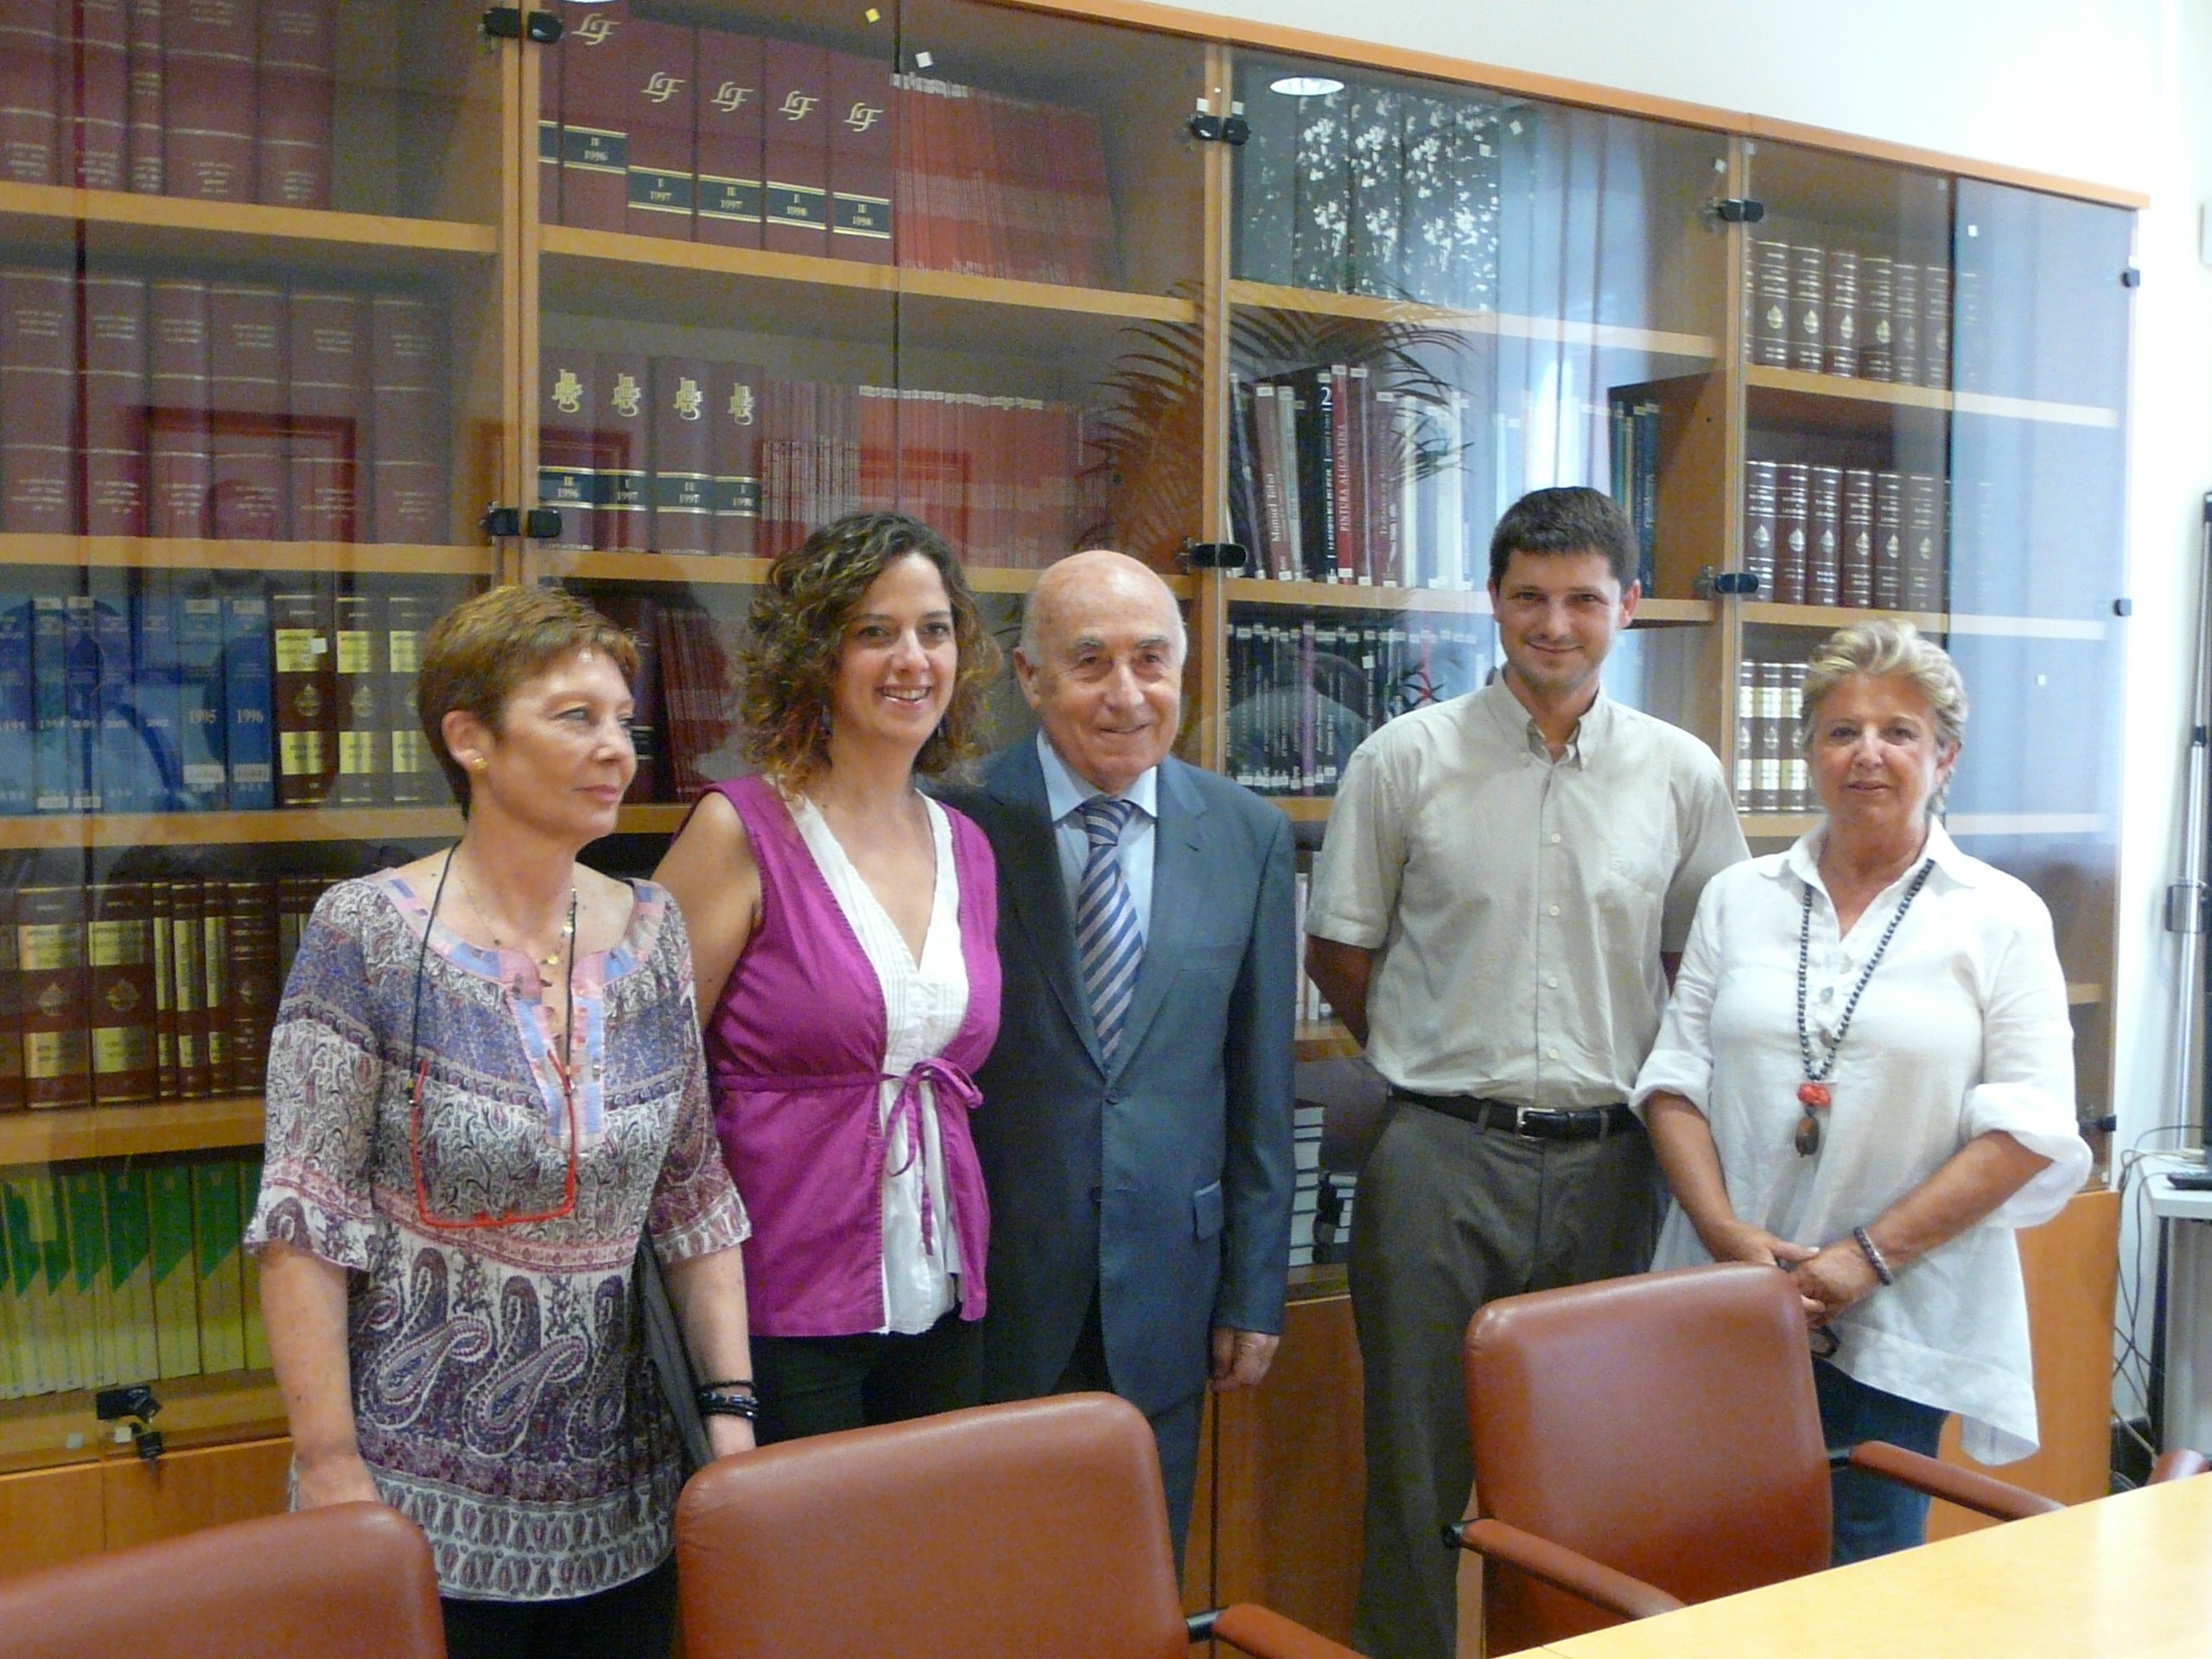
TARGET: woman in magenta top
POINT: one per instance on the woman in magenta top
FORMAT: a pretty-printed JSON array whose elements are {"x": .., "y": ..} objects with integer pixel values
[{"x": 843, "y": 935}]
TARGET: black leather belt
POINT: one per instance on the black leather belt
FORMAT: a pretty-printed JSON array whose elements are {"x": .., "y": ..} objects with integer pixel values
[{"x": 1533, "y": 1123}]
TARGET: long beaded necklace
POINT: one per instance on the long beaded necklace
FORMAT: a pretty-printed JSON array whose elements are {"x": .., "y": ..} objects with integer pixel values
[{"x": 1813, "y": 1094}]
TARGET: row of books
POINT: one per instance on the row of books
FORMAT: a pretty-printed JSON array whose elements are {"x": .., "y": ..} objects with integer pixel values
[
  {"x": 128, "y": 1272},
  {"x": 1333, "y": 478},
  {"x": 1320, "y": 1204},
  {"x": 1305, "y": 691},
  {"x": 1847, "y": 535},
  {"x": 680, "y": 454},
  {"x": 1771, "y": 775},
  {"x": 146, "y": 988},
  {"x": 683, "y": 702},
  {"x": 1633, "y": 427},
  {"x": 176, "y": 697},
  {"x": 162, "y": 405},
  {"x": 223, "y": 100},
  {"x": 1833, "y": 311},
  {"x": 658, "y": 129},
  {"x": 1312, "y": 1007},
  {"x": 1369, "y": 189}
]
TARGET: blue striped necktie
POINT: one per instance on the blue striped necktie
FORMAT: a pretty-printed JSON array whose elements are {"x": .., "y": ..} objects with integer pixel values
[{"x": 1108, "y": 936}]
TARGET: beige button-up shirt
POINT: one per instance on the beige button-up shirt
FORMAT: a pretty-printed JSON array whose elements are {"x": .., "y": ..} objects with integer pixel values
[{"x": 1518, "y": 906}]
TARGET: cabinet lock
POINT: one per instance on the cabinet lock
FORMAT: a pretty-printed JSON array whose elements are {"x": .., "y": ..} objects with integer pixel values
[
  {"x": 1740, "y": 210},
  {"x": 539, "y": 523},
  {"x": 508, "y": 24}
]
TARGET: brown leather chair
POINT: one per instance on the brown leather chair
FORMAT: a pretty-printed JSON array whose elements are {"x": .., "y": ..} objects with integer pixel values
[
  {"x": 1646, "y": 1442},
  {"x": 352, "y": 1581},
  {"x": 1025, "y": 1530}
]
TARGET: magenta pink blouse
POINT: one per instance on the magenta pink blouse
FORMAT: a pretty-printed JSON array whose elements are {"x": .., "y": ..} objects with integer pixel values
[{"x": 794, "y": 1054}]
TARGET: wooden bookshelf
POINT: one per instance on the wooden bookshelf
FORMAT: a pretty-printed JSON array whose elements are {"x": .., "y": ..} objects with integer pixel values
[
  {"x": 149, "y": 229},
  {"x": 1430, "y": 601},
  {"x": 1657, "y": 342},
  {"x": 1826, "y": 619},
  {"x": 52, "y": 1428},
  {"x": 70, "y": 1133},
  {"x": 1843, "y": 390},
  {"x": 710, "y": 571},
  {"x": 163, "y": 553},
  {"x": 1788, "y": 826},
  {"x": 372, "y": 824},
  {"x": 1325, "y": 1040}
]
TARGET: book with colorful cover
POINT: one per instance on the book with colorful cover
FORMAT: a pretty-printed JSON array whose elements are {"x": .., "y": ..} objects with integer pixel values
[
  {"x": 216, "y": 1230},
  {"x": 169, "y": 1267}
]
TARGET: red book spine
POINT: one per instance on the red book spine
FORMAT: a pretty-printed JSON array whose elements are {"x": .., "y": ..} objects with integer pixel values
[
  {"x": 737, "y": 415},
  {"x": 179, "y": 461},
  {"x": 292, "y": 128},
  {"x": 207, "y": 90},
  {"x": 568, "y": 471},
  {"x": 728, "y": 155},
  {"x": 247, "y": 335},
  {"x": 795, "y": 149},
  {"x": 594, "y": 114},
  {"x": 30, "y": 61},
  {"x": 662, "y": 98},
  {"x": 863, "y": 152},
  {"x": 95, "y": 80},
  {"x": 877, "y": 419},
  {"x": 622, "y": 434},
  {"x": 682, "y": 446},
  {"x": 407, "y": 414},
  {"x": 1338, "y": 438},
  {"x": 147, "y": 173},
  {"x": 115, "y": 392},
  {"x": 38, "y": 401},
  {"x": 325, "y": 408}
]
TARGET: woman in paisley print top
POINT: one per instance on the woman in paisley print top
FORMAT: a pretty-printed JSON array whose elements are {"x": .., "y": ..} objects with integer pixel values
[{"x": 485, "y": 1081}]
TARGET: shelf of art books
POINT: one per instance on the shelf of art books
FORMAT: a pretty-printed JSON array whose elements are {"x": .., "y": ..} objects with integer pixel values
[{"x": 66, "y": 1133}]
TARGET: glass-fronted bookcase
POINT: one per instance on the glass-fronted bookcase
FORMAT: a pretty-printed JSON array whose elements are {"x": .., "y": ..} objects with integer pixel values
[{"x": 301, "y": 295}]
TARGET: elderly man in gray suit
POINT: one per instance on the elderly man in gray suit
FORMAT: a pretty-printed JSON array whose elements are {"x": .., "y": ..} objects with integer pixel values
[{"x": 1135, "y": 1131}]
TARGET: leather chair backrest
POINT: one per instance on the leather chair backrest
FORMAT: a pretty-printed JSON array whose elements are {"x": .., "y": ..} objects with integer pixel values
[
  {"x": 1664, "y": 1424},
  {"x": 1034, "y": 1529},
  {"x": 352, "y": 1581}
]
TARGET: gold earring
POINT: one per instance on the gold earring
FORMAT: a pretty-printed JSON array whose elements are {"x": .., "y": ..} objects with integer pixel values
[{"x": 478, "y": 763}]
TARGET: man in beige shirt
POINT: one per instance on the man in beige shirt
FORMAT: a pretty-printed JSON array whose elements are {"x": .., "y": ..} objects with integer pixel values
[{"x": 1503, "y": 876}]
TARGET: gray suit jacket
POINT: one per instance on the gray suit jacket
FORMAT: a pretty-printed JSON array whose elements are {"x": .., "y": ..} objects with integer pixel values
[{"x": 1165, "y": 1180}]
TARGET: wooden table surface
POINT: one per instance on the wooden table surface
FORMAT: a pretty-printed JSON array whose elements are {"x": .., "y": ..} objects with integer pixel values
[{"x": 2128, "y": 1577}]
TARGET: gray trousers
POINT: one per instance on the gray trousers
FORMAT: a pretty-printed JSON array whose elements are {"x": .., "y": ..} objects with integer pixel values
[{"x": 1448, "y": 1216}]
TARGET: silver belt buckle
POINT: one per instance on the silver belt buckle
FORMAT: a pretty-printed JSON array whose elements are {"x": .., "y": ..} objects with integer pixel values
[{"x": 1522, "y": 1117}]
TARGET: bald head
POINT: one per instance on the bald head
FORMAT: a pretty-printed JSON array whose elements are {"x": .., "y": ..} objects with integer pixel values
[
  {"x": 1083, "y": 580},
  {"x": 1100, "y": 661}
]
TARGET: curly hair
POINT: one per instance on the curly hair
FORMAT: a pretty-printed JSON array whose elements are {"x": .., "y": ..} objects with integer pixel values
[{"x": 787, "y": 671}]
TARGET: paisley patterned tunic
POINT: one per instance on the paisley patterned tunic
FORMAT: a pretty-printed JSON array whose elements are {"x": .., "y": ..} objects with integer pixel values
[{"x": 501, "y": 1395}]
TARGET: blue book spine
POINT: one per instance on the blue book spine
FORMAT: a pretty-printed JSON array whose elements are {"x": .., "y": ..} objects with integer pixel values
[
  {"x": 119, "y": 772},
  {"x": 154, "y": 683},
  {"x": 54, "y": 774},
  {"x": 201, "y": 727},
  {"x": 18, "y": 710},
  {"x": 249, "y": 686},
  {"x": 80, "y": 688}
]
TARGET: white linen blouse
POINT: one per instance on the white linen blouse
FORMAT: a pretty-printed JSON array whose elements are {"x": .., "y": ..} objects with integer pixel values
[
  {"x": 923, "y": 1003},
  {"x": 1962, "y": 1030}
]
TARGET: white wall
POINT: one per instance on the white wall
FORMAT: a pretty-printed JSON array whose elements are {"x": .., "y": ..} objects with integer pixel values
[{"x": 2119, "y": 92}]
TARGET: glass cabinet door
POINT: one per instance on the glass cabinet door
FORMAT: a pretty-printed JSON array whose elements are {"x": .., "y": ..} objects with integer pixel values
[{"x": 254, "y": 396}]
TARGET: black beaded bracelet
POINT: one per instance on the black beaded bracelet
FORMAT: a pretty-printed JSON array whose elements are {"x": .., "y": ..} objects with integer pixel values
[
  {"x": 1874, "y": 1256},
  {"x": 729, "y": 1405},
  {"x": 736, "y": 1384}
]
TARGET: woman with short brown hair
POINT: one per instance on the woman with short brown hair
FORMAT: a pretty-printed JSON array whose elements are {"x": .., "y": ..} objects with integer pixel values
[{"x": 485, "y": 1084}]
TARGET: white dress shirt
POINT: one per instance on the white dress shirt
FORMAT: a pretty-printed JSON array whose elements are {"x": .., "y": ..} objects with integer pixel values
[
  {"x": 1064, "y": 792},
  {"x": 1962, "y": 1030}
]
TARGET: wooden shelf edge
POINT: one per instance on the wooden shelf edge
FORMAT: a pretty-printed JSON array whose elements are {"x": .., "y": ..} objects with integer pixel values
[
  {"x": 247, "y": 218},
  {"x": 1303, "y": 808},
  {"x": 713, "y": 570},
  {"x": 68, "y": 1133},
  {"x": 1660, "y": 342},
  {"x": 162, "y": 553},
  {"x": 1827, "y": 618},
  {"x": 615, "y": 247},
  {"x": 1848, "y": 389},
  {"x": 35, "y": 1431},
  {"x": 1788, "y": 826},
  {"x": 1323, "y": 1039},
  {"x": 227, "y": 828},
  {"x": 2082, "y": 995}
]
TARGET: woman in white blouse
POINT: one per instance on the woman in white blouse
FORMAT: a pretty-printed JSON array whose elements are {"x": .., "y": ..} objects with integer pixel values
[{"x": 1865, "y": 1077}]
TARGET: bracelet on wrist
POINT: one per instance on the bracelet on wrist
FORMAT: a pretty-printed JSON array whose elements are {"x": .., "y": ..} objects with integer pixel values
[
  {"x": 1874, "y": 1258},
  {"x": 735, "y": 1385},
  {"x": 729, "y": 1405}
]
